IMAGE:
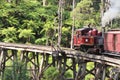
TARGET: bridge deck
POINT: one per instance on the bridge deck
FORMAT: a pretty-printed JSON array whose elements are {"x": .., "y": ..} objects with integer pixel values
[{"x": 69, "y": 52}]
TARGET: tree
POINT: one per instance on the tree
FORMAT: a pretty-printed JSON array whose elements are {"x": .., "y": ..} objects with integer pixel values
[
  {"x": 60, "y": 22},
  {"x": 51, "y": 74},
  {"x": 26, "y": 34},
  {"x": 17, "y": 72},
  {"x": 85, "y": 13},
  {"x": 49, "y": 31},
  {"x": 9, "y": 1},
  {"x": 73, "y": 26},
  {"x": 44, "y": 2},
  {"x": 9, "y": 34}
]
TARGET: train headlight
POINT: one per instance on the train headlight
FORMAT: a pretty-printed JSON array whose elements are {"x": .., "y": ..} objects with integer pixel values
[{"x": 86, "y": 40}]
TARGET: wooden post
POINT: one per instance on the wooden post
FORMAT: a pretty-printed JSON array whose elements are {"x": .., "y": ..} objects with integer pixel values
[
  {"x": 1, "y": 63},
  {"x": 37, "y": 59},
  {"x": 103, "y": 72},
  {"x": 1, "y": 59},
  {"x": 59, "y": 66},
  {"x": 41, "y": 65},
  {"x": 73, "y": 26},
  {"x": 116, "y": 77},
  {"x": 98, "y": 70},
  {"x": 114, "y": 73},
  {"x": 22, "y": 55},
  {"x": 55, "y": 58},
  {"x": 63, "y": 68},
  {"x": 74, "y": 68},
  {"x": 4, "y": 62},
  {"x": 26, "y": 60},
  {"x": 47, "y": 60},
  {"x": 15, "y": 64},
  {"x": 81, "y": 70},
  {"x": 53, "y": 61}
]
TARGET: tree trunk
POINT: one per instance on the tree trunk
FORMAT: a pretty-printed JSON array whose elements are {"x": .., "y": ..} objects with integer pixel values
[
  {"x": 60, "y": 22},
  {"x": 73, "y": 26},
  {"x": 17, "y": 1},
  {"x": 103, "y": 9},
  {"x": 9, "y": 1},
  {"x": 44, "y": 2}
]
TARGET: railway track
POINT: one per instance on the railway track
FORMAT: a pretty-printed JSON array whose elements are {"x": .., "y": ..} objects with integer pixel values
[{"x": 67, "y": 51}]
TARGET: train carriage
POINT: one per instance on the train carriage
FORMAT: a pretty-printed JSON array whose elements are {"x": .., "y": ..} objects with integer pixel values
[{"x": 112, "y": 41}]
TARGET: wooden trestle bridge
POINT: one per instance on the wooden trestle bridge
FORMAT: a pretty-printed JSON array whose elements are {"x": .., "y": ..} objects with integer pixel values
[{"x": 39, "y": 58}]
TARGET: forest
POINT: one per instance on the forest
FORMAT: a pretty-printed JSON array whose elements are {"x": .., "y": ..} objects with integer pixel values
[
  {"x": 46, "y": 22},
  {"x": 37, "y": 21}
]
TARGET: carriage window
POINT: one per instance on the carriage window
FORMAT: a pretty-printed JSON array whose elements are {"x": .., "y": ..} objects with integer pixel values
[{"x": 114, "y": 41}]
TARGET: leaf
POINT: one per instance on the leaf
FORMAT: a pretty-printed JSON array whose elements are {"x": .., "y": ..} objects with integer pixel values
[
  {"x": 10, "y": 34},
  {"x": 26, "y": 33}
]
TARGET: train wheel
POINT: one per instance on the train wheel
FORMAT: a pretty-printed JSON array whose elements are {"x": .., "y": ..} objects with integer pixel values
[
  {"x": 83, "y": 48},
  {"x": 94, "y": 51}
]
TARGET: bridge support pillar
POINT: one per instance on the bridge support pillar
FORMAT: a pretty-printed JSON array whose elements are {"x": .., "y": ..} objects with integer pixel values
[
  {"x": 2, "y": 63},
  {"x": 74, "y": 67},
  {"x": 97, "y": 71},
  {"x": 103, "y": 73},
  {"x": 80, "y": 75},
  {"x": 114, "y": 74},
  {"x": 100, "y": 71}
]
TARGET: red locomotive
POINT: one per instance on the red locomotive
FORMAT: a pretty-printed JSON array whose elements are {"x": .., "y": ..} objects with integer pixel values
[{"x": 87, "y": 39}]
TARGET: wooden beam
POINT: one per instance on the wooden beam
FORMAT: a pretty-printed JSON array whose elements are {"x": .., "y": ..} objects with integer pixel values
[{"x": 74, "y": 67}]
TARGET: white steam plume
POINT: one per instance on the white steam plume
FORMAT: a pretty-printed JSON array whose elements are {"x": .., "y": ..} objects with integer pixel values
[{"x": 112, "y": 13}]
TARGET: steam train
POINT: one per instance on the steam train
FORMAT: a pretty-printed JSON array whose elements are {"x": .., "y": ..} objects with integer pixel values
[{"x": 92, "y": 41}]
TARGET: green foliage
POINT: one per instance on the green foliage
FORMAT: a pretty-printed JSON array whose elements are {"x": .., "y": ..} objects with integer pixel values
[
  {"x": 26, "y": 34},
  {"x": 29, "y": 14},
  {"x": 51, "y": 74},
  {"x": 40, "y": 41},
  {"x": 68, "y": 74},
  {"x": 85, "y": 13},
  {"x": 9, "y": 34},
  {"x": 90, "y": 66},
  {"x": 48, "y": 28},
  {"x": 66, "y": 36},
  {"x": 12, "y": 21},
  {"x": 17, "y": 72},
  {"x": 89, "y": 76}
]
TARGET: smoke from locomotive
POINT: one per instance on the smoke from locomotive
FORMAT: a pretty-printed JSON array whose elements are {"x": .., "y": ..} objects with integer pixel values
[{"x": 112, "y": 13}]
